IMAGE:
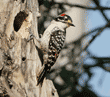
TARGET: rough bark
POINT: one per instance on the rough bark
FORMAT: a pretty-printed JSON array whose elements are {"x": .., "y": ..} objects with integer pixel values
[{"x": 19, "y": 60}]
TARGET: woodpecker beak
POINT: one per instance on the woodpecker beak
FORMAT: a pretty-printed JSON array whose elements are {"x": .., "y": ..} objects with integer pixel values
[{"x": 70, "y": 23}]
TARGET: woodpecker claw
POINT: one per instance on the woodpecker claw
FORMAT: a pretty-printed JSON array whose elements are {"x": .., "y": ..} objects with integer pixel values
[{"x": 30, "y": 38}]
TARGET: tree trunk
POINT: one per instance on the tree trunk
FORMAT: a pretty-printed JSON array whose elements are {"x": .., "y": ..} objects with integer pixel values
[{"x": 19, "y": 60}]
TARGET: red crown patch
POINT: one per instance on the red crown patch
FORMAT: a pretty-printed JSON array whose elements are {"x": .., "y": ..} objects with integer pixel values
[{"x": 63, "y": 14}]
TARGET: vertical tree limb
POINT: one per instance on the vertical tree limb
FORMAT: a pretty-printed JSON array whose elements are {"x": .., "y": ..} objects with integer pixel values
[{"x": 19, "y": 61}]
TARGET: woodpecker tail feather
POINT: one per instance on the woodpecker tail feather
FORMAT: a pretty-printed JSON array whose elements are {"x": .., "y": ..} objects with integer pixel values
[{"x": 41, "y": 75}]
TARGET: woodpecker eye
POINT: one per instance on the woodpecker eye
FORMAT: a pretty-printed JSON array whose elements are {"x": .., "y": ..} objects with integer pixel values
[{"x": 61, "y": 18}]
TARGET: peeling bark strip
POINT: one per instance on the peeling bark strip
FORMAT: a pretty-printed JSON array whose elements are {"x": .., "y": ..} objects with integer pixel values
[{"x": 19, "y": 59}]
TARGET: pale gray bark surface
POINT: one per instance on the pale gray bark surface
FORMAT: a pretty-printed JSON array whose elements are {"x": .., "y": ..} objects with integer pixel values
[{"x": 19, "y": 60}]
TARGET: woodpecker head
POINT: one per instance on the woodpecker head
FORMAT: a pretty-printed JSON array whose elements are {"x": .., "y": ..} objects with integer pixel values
[{"x": 65, "y": 20}]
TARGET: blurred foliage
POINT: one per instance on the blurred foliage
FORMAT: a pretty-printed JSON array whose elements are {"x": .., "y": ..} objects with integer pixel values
[{"x": 72, "y": 83}]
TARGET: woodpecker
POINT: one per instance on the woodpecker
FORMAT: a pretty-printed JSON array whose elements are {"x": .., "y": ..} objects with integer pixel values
[{"x": 52, "y": 42}]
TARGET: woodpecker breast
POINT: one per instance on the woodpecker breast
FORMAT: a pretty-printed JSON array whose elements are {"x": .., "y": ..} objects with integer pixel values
[{"x": 55, "y": 45}]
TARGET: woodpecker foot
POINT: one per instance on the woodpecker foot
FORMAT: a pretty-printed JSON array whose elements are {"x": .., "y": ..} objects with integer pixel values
[{"x": 30, "y": 37}]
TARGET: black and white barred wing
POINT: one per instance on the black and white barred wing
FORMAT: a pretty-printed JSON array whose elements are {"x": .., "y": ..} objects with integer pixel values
[
  {"x": 56, "y": 42},
  {"x": 55, "y": 46}
]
